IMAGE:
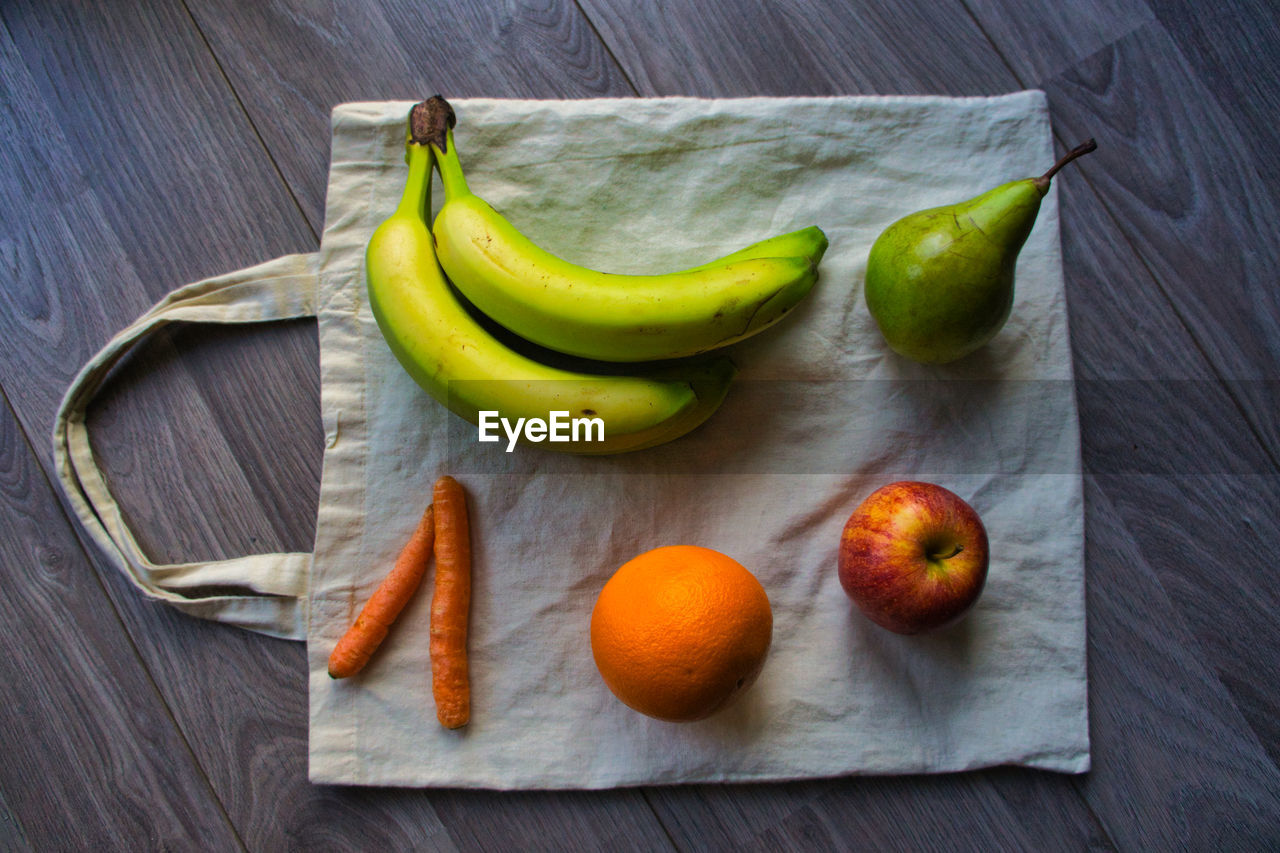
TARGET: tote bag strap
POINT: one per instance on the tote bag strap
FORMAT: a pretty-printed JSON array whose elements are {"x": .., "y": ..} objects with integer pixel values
[{"x": 269, "y": 589}]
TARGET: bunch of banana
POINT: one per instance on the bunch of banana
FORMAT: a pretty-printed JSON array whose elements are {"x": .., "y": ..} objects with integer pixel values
[{"x": 634, "y": 318}]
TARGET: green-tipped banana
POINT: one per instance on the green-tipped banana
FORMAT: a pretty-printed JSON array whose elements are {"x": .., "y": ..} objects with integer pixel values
[
  {"x": 808, "y": 243},
  {"x": 460, "y": 364},
  {"x": 624, "y": 318}
]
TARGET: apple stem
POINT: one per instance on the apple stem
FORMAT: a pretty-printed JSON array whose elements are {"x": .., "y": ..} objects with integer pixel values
[
  {"x": 1079, "y": 151},
  {"x": 954, "y": 551}
]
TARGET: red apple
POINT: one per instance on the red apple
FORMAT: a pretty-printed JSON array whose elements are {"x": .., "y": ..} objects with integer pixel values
[{"x": 913, "y": 557}]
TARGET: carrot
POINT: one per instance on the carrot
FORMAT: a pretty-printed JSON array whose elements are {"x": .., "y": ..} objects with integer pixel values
[
  {"x": 450, "y": 603},
  {"x": 371, "y": 626}
]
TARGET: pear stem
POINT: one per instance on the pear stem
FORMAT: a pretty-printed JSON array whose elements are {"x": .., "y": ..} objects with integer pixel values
[{"x": 1080, "y": 150}]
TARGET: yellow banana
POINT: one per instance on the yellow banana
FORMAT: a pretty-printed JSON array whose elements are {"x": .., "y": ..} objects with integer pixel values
[
  {"x": 582, "y": 312},
  {"x": 459, "y": 363}
]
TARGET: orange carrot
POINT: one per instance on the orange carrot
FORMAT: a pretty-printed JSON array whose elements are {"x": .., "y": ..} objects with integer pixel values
[
  {"x": 371, "y": 626},
  {"x": 450, "y": 603}
]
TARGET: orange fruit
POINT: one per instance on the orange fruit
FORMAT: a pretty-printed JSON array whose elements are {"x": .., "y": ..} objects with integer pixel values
[{"x": 680, "y": 630}]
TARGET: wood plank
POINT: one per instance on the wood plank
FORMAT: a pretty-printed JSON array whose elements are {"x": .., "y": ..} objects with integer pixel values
[
  {"x": 1195, "y": 488},
  {"x": 93, "y": 252},
  {"x": 74, "y": 286},
  {"x": 251, "y": 739},
  {"x": 1001, "y": 808},
  {"x": 1040, "y": 40},
  {"x": 270, "y": 52},
  {"x": 518, "y": 50},
  {"x": 941, "y": 811},
  {"x": 93, "y": 760},
  {"x": 550, "y": 820},
  {"x": 1235, "y": 50},
  {"x": 159, "y": 137},
  {"x": 1122, "y": 329},
  {"x": 809, "y": 48},
  {"x": 1211, "y": 537},
  {"x": 1175, "y": 766},
  {"x": 12, "y": 837},
  {"x": 202, "y": 478}
]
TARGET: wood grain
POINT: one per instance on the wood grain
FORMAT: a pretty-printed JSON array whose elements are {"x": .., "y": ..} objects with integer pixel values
[
  {"x": 93, "y": 758},
  {"x": 231, "y": 491},
  {"x": 1002, "y": 808},
  {"x": 1192, "y": 486},
  {"x": 159, "y": 137},
  {"x": 876, "y": 815},
  {"x": 73, "y": 286},
  {"x": 1166, "y": 734},
  {"x": 541, "y": 820},
  {"x": 1056, "y": 36},
  {"x": 12, "y": 838},
  {"x": 1235, "y": 52},
  {"x": 100, "y": 249},
  {"x": 798, "y": 48},
  {"x": 241, "y": 701},
  {"x": 1211, "y": 540}
]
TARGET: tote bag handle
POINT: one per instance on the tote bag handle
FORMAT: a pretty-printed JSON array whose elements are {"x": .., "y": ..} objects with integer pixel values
[{"x": 274, "y": 586}]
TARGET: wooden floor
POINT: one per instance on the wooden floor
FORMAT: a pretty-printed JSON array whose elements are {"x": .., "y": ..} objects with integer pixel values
[{"x": 148, "y": 143}]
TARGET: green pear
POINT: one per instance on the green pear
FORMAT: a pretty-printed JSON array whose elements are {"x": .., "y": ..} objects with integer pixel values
[{"x": 940, "y": 281}]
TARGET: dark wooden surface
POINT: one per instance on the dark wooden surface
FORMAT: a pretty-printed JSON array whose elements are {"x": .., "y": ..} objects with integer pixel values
[{"x": 148, "y": 143}]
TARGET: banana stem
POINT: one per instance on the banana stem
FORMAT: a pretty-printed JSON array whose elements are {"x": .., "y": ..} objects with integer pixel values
[
  {"x": 455, "y": 183},
  {"x": 417, "y": 187}
]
